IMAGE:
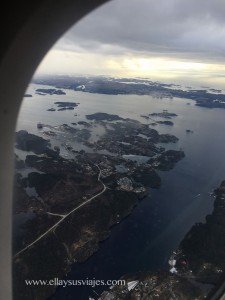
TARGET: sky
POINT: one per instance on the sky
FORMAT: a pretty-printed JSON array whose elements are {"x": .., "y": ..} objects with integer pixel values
[{"x": 155, "y": 39}]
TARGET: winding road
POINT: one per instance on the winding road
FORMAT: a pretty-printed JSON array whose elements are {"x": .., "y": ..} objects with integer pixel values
[{"x": 63, "y": 217}]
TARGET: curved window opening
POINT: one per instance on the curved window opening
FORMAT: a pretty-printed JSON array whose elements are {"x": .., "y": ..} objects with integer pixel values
[{"x": 119, "y": 158}]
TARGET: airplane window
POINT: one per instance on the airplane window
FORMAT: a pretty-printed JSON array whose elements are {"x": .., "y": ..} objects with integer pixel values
[{"x": 119, "y": 189}]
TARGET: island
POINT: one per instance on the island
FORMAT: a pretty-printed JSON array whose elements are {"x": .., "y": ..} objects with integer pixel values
[
  {"x": 103, "y": 116},
  {"x": 65, "y": 105},
  {"x": 165, "y": 114},
  {"x": 44, "y": 91},
  {"x": 169, "y": 123},
  {"x": 29, "y": 142},
  {"x": 189, "y": 131}
]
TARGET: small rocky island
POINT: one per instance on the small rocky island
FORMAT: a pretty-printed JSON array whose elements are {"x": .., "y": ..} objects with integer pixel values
[
  {"x": 165, "y": 115},
  {"x": 169, "y": 123},
  {"x": 100, "y": 116},
  {"x": 75, "y": 201},
  {"x": 65, "y": 105},
  {"x": 44, "y": 91}
]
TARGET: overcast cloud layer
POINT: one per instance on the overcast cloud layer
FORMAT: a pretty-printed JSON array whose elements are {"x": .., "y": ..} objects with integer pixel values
[
  {"x": 192, "y": 29},
  {"x": 159, "y": 39}
]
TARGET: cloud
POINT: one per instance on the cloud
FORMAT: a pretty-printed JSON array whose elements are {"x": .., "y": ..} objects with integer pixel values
[
  {"x": 156, "y": 39},
  {"x": 185, "y": 29}
]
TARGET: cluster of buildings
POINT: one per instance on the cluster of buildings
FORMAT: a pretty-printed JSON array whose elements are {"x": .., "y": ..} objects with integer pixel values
[{"x": 125, "y": 184}]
